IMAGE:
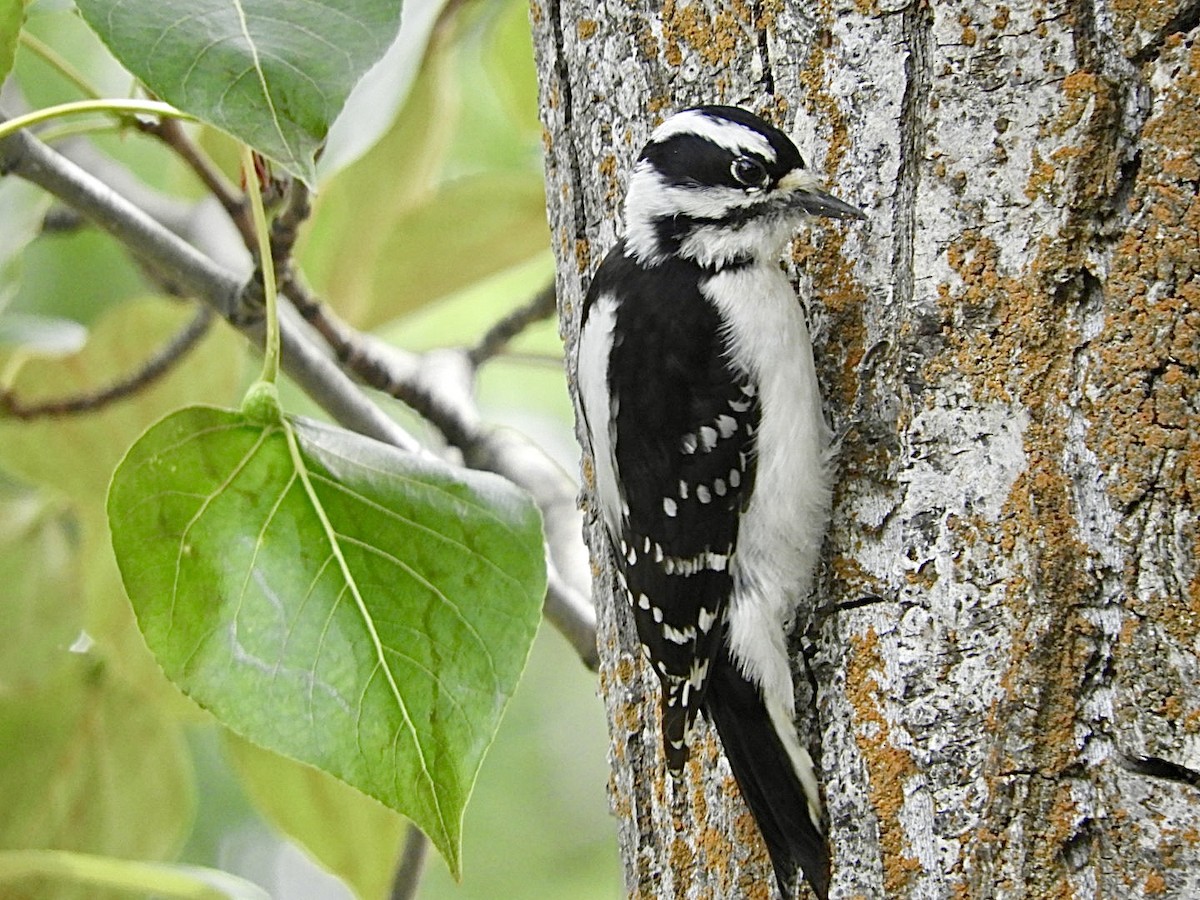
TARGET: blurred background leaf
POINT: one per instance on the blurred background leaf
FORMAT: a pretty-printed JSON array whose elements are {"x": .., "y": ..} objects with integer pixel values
[
  {"x": 375, "y": 100},
  {"x": 41, "y": 604},
  {"x": 453, "y": 192},
  {"x": 353, "y": 836},
  {"x": 11, "y": 14},
  {"x": 90, "y": 766}
]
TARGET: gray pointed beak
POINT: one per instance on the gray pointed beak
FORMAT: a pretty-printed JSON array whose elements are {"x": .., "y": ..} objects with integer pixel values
[
  {"x": 804, "y": 193},
  {"x": 817, "y": 202}
]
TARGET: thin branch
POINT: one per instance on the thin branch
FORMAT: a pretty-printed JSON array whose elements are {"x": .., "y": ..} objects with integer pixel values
[
  {"x": 542, "y": 306},
  {"x": 173, "y": 135},
  {"x": 153, "y": 369},
  {"x": 411, "y": 865},
  {"x": 62, "y": 220},
  {"x": 182, "y": 265},
  {"x": 286, "y": 227},
  {"x": 539, "y": 360}
]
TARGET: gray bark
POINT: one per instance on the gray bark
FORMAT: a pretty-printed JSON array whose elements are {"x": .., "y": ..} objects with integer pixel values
[{"x": 1006, "y": 657}]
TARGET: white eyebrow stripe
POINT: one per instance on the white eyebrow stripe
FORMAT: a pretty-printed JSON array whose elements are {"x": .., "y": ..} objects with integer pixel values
[{"x": 730, "y": 135}]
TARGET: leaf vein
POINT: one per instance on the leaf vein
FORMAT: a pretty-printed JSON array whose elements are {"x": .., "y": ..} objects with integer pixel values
[{"x": 368, "y": 620}]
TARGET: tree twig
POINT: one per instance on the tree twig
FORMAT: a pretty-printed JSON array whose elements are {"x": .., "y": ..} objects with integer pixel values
[
  {"x": 411, "y": 864},
  {"x": 542, "y": 306},
  {"x": 195, "y": 274},
  {"x": 172, "y": 134},
  {"x": 286, "y": 227},
  {"x": 153, "y": 369}
]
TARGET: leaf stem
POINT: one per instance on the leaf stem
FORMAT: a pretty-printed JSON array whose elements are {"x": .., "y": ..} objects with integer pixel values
[
  {"x": 266, "y": 263},
  {"x": 108, "y": 105},
  {"x": 59, "y": 63},
  {"x": 176, "y": 138}
]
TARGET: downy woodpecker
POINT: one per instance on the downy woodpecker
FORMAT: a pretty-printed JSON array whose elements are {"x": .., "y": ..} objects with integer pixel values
[{"x": 710, "y": 450}]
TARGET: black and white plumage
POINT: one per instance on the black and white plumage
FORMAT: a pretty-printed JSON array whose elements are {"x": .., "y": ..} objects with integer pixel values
[{"x": 711, "y": 454}]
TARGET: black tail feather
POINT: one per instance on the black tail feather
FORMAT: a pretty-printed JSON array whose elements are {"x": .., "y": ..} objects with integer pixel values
[{"x": 767, "y": 780}]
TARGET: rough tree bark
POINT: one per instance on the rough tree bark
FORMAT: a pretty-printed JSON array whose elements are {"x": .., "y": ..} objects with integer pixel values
[{"x": 1006, "y": 661}]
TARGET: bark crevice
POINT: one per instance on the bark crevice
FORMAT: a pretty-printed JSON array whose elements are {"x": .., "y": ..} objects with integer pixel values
[{"x": 916, "y": 30}]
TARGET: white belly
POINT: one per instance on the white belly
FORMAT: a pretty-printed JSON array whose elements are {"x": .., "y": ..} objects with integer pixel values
[{"x": 780, "y": 535}]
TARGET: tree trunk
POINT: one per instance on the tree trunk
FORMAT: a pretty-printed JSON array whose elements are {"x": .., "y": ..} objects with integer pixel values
[{"x": 1006, "y": 656}]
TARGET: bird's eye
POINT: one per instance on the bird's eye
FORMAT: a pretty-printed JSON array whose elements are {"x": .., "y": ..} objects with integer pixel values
[{"x": 748, "y": 172}]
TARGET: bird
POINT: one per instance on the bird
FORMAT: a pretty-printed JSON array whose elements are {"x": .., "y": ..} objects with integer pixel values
[{"x": 711, "y": 457}]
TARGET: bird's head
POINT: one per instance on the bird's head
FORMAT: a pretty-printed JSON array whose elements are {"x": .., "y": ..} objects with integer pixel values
[{"x": 719, "y": 186}]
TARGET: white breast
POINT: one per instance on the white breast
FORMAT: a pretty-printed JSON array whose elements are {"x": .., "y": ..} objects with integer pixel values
[{"x": 780, "y": 534}]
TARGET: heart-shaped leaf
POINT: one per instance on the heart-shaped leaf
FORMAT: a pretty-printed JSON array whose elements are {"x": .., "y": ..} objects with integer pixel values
[
  {"x": 273, "y": 73},
  {"x": 333, "y": 599}
]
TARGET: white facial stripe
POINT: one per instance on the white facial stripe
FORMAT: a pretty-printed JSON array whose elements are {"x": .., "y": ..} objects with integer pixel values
[
  {"x": 651, "y": 197},
  {"x": 733, "y": 137},
  {"x": 798, "y": 180}
]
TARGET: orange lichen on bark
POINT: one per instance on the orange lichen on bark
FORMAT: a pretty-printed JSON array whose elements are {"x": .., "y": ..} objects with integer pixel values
[
  {"x": 1154, "y": 885},
  {"x": 683, "y": 860},
  {"x": 1134, "y": 378},
  {"x": 888, "y": 766},
  {"x": 715, "y": 849},
  {"x": 831, "y": 268},
  {"x": 1150, "y": 346},
  {"x": 747, "y": 836},
  {"x": 1010, "y": 333},
  {"x": 1135, "y": 20},
  {"x": 716, "y": 40},
  {"x": 583, "y": 255},
  {"x": 608, "y": 169},
  {"x": 819, "y": 101},
  {"x": 844, "y": 298}
]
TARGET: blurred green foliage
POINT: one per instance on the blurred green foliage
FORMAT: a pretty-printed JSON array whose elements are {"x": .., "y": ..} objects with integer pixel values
[{"x": 427, "y": 238}]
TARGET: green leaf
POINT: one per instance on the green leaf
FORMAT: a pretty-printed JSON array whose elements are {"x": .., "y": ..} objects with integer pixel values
[
  {"x": 333, "y": 599},
  {"x": 352, "y": 835},
  {"x": 373, "y": 104},
  {"x": 24, "y": 208},
  {"x": 77, "y": 454},
  {"x": 179, "y": 882},
  {"x": 12, "y": 14},
  {"x": 89, "y": 765},
  {"x": 273, "y": 73},
  {"x": 352, "y": 218},
  {"x": 492, "y": 222},
  {"x": 41, "y": 603}
]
